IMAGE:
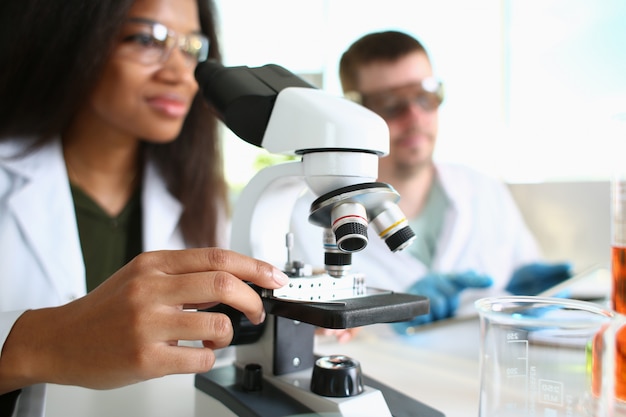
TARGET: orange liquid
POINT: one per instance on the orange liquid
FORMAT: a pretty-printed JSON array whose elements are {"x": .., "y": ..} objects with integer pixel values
[
  {"x": 618, "y": 299},
  {"x": 618, "y": 273},
  {"x": 620, "y": 362},
  {"x": 620, "y": 366}
]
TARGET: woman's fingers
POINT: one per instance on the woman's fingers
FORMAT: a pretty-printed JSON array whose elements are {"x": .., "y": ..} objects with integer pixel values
[
  {"x": 220, "y": 287},
  {"x": 205, "y": 276},
  {"x": 197, "y": 325},
  {"x": 214, "y": 259},
  {"x": 186, "y": 360}
]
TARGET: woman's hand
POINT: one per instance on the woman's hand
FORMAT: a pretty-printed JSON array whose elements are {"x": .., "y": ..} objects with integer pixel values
[{"x": 127, "y": 330}]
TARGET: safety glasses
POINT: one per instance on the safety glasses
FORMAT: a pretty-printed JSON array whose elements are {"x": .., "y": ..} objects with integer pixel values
[
  {"x": 390, "y": 104},
  {"x": 149, "y": 43}
]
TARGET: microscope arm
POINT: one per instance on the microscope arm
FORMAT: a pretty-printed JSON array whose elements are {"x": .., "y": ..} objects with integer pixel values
[{"x": 261, "y": 216}]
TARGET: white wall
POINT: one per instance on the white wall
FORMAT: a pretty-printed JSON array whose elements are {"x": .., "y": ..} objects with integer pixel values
[{"x": 531, "y": 84}]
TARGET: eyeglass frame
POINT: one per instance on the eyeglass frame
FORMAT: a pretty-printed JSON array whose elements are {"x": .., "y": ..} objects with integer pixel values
[
  {"x": 429, "y": 85},
  {"x": 169, "y": 39}
]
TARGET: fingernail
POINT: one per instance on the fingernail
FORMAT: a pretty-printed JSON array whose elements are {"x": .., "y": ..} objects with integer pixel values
[
  {"x": 262, "y": 318},
  {"x": 279, "y": 277}
]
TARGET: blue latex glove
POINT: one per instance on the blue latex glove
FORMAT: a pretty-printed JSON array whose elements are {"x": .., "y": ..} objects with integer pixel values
[
  {"x": 535, "y": 278},
  {"x": 442, "y": 291}
]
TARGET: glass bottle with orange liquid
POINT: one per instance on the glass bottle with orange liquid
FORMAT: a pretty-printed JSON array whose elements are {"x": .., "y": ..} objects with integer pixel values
[{"x": 616, "y": 335}]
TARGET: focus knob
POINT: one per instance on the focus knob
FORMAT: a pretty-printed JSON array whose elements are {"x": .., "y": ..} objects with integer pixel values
[
  {"x": 252, "y": 377},
  {"x": 336, "y": 376}
]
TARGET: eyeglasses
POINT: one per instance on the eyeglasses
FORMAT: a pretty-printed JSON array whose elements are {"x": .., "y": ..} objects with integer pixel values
[
  {"x": 149, "y": 42},
  {"x": 390, "y": 104}
]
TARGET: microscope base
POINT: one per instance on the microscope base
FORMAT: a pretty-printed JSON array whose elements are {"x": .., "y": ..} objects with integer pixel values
[{"x": 223, "y": 384}]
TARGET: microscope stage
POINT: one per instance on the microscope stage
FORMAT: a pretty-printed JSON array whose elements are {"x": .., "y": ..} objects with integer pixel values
[{"x": 375, "y": 307}]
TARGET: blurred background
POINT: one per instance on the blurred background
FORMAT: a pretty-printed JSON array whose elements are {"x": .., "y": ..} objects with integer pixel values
[{"x": 531, "y": 85}]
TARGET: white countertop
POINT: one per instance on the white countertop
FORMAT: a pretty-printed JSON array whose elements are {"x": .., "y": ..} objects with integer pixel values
[{"x": 437, "y": 366}]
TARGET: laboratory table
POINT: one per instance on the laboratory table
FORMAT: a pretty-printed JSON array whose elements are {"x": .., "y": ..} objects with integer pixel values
[{"x": 438, "y": 366}]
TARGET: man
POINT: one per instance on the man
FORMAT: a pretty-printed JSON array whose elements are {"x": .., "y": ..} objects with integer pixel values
[{"x": 471, "y": 239}]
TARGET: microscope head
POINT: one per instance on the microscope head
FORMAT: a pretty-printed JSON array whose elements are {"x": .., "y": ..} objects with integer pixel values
[
  {"x": 274, "y": 109},
  {"x": 269, "y": 107}
]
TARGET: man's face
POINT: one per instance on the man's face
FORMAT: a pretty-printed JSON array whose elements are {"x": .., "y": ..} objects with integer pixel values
[{"x": 393, "y": 89}]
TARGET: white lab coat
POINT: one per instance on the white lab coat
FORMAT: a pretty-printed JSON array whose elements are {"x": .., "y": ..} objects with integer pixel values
[
  {"x": 41, "y": 262},
  {"x": 482, "y": 231}
]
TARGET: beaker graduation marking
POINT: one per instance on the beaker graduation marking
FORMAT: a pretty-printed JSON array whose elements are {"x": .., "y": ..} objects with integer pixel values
[{"x": 518, "y": 350}]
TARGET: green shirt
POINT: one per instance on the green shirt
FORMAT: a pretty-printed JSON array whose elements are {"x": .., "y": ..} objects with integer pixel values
[
  {"x": 427, "y": 225},
  {"x": 107, "y": 242}
]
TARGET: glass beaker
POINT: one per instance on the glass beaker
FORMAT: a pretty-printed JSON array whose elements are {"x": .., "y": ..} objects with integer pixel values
[{"x": 547, "y": 357}]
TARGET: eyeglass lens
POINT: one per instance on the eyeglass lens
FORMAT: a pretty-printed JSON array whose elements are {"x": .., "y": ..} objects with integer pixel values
[
  {"x": 150, "y": 42},
  {"x": 427, "y": 95}
]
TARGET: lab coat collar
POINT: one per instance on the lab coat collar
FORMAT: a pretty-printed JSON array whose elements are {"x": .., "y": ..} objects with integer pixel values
[
  {"x": 49, "y": 228},
  {"x": 43, "y": 177}
]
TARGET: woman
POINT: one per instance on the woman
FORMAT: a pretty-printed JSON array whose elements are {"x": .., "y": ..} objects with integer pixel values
[{"x": 107, "y": 158}]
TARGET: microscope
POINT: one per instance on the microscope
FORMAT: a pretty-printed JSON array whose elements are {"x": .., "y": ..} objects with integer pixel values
[{"x": 275, "y": 372}]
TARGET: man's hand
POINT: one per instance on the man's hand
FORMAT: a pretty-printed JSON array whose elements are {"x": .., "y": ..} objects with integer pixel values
[
  {"x": 342, "y": 335},
  {"x": 535, "y": 278},
  {"x": 127, "y": 330},
  {"x": 443, "y": 292}
]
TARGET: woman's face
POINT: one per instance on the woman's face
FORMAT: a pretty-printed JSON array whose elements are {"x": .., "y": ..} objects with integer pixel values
[{"x": 144, "y": 92}]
